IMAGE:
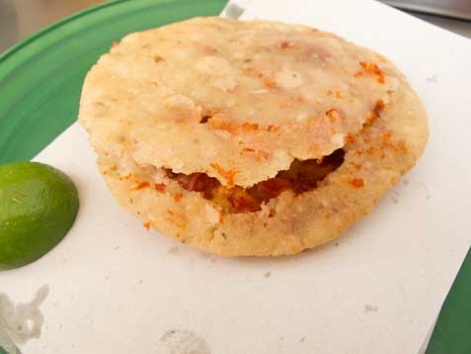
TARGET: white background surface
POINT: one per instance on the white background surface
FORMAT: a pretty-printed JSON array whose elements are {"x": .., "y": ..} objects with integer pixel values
[{"x": 116, "y": 288}]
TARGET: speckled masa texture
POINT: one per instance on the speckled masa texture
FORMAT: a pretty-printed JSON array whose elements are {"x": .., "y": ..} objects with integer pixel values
[{"x": 239, "y": 101}]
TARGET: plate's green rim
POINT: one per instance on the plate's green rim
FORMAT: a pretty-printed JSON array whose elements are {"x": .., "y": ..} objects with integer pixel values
[{"x": 15, "y": 48}]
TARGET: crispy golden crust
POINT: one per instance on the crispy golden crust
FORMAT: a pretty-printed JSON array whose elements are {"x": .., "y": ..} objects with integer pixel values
[
  {"x": 287, "y": 224},
  {"x": 391, "y": 140},
  {"x": 247, "y": 98}
]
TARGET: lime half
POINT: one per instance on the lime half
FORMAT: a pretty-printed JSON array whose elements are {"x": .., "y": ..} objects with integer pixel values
[{"x": 38, "y": 206}]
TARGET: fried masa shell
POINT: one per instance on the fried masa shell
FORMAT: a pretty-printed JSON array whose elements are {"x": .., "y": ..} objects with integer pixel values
[{"x": 239, "y": 101}]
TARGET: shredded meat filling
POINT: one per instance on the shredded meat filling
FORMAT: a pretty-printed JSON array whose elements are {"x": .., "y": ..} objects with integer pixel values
[{"x": 302, "y": 176}]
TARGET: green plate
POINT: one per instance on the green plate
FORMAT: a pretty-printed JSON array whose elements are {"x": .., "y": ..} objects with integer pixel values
[{"x": 40, "y": 83}]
